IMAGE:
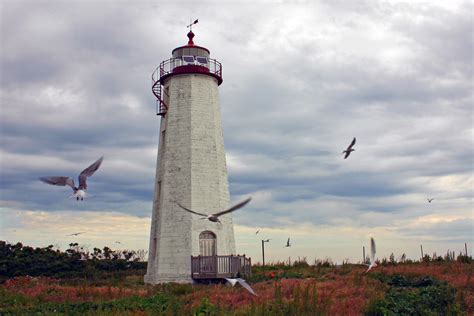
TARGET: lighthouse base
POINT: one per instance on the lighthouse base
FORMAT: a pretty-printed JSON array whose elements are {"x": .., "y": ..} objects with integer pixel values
[{"x": 167, "y": 278}]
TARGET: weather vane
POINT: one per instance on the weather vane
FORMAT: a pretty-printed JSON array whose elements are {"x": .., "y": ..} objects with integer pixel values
[{"x": 191, "y": 24}]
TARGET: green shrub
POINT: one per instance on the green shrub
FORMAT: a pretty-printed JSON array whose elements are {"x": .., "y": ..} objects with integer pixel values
[
  {"x": 20, "y": 260},
  {"x": 415, "y": 296},
  {"x": 206, "y": 308},
  {"x": 292, "y": 275},
  {"x": 158, "y": 304}
]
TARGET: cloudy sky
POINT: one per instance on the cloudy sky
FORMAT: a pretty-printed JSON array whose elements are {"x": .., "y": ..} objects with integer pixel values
[{"x": 301, "y": 79}]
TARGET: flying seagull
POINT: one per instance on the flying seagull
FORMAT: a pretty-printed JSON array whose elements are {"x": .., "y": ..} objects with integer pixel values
[
  {"x": 429, "y": 200},
  {"x": 372, "y": 263},
  {"x": 75, "y": 234},
  {"x": 287, "y": 243},
  {"x": 257, "y": 232},
  {"x": 215, "y": 217},
  {"x": 242, "y": 282},
  {"x": 349, "y": 149},
  {"x": 79, "y": 192}
]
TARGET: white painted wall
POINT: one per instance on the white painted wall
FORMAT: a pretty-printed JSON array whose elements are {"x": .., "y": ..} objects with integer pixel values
[{"x": 191, "y": 168}]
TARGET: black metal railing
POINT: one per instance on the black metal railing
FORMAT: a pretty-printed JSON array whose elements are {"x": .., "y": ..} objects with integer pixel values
[
  {"x": 173, "y": 65},
  {"x": 178, "y": 65}
]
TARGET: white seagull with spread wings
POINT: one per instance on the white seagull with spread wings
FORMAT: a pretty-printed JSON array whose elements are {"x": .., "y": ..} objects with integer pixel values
[
  {"x": 242, "y": 282},
  {"x": 372, "y": 263},
  {"x": 215, "y": 217},
  {"x": 79, "y": 192}
]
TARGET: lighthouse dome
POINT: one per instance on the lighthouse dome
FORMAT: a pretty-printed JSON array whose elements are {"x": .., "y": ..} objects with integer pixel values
[
  {"x": 190, "y": 49},
  {"x": 187, "y": 59}
]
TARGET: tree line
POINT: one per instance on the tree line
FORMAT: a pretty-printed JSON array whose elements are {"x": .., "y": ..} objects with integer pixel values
[{"x": 76, "y": 261}]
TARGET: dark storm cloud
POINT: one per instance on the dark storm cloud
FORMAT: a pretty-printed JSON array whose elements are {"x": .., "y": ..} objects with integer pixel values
[
  {"x": 75, "y": 86},
  {"x": 403, "y": 113},
  {"x": 300, "y": 81}
]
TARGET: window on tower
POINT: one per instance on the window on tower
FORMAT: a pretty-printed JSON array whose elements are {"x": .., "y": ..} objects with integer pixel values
[
  {"x": 188, "y": 59},
  {"x": 201, "y": 60}
]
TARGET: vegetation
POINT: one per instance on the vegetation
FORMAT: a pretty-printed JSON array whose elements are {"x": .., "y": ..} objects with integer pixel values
[
  {"x": 415, "y": 296},
  {"x": 429, "y": 287},
  {"x": 19, "y": 260}
]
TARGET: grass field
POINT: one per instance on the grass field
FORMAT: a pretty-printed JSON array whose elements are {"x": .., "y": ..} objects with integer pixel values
[{"x": 444, "y": 288}]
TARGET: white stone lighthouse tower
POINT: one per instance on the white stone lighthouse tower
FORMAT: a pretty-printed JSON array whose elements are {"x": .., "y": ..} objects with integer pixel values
[{"x": 191, "y": 167}]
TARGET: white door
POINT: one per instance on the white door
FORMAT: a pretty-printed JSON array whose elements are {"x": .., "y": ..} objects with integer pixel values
[{"x": 207, "y": 244}]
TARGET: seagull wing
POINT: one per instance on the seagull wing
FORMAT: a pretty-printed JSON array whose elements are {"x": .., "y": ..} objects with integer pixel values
[
  {"x": 191, "y": 211},
  {"x": 372, "y": 250},
  {"x": 62, "y": 181},
  {"x": 288, "y": 241},
  {"x": 347, "y": 154},
  {"x": 232, "y": 282},
  {"x": 89, "y": 171},
  {"x": 352, "y": 144},
  {"x": 246, "y": 285},
  {"x": 233, "y": 208}
]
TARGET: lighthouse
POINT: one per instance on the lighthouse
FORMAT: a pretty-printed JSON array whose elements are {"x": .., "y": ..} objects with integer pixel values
[{"x": 191, "y": 170}]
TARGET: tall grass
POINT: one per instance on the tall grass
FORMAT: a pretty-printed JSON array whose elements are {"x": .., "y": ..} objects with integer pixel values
[{"x": 299, "y": 289}]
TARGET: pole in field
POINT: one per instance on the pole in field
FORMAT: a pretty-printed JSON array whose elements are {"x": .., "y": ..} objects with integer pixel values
[
  {"x": 421, "y": 247},
  {"x": 263, "y": 250}
]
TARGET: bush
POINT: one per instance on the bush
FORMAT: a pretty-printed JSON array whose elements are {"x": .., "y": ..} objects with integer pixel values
[
  {"x": 206, "y": 308},
  {"x": 292, "y": 275},
  {"x": 301, "y": 263},
  {"x": 159, "y": 304},
  {"x": 415, "y": 296},
  {"x": 464, "y": 259},
  {"x": 19, "y": 260}
]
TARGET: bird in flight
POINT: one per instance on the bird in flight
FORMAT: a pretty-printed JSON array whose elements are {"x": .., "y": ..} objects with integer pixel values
[
  {"x": 242, "y": 282},
  {"x": 215, "y": 217},
  {"x": 429, "y": 200},
  {"x": 257, "y": 232},
  {"x": 75, "y": 234},
  {"x": 287, "y": 243},
  {"x": 372, "y": 263},
  {"x": 79, "y": 192},
  {"x": 349, "y": 149}
]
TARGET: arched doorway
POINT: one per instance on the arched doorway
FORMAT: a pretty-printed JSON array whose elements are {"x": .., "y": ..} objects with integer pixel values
[{"x": 207, "y": 243}]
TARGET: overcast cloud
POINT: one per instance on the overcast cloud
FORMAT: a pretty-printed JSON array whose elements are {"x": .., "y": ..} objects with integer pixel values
[{"x": 301, "y": 79}]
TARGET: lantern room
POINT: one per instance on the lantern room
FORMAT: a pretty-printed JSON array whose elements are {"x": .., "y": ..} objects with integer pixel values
[{"x": 188, "y": 59}]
